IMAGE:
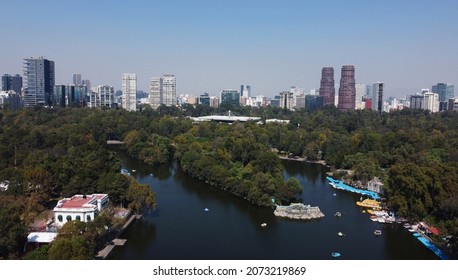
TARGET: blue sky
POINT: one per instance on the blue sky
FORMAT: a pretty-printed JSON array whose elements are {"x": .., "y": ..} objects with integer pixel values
[{"x": 212, "y": 45}]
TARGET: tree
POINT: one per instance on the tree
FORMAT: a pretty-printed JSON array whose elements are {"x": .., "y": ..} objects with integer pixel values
[
  {"x": 141, "y": 198},
  {"x": 13, "y": 232},
  {"x": 74, "y": 242}
]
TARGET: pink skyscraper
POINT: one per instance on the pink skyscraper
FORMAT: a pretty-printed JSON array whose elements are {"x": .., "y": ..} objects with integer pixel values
[
  {"x": 347, "y": 90},
  {"x": 327, "y": 90}
]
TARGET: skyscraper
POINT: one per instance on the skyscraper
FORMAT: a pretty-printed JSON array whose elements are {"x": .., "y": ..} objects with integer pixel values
[
  {"x": 377, "y": 97},
  {"x": 129, "y": 91},
  {"x": 347, "y": 90},
  {"x": 441, "y": 90},
  {"x": 155, "y": 92},
  {"x": 169, "y": 90},
  {"x": 245, "y": 91},
  {"x": 10, "y": 82},
  {"x": 77, "y": 79},
  {"x": 163, "y": 90},
  {"x": 286, "y": 100},
  {"x": 39, "y": 79},
  {"x": 59, "y": 96},
  {"x": 327, "y": 89},
  {"x": 360, "y": 92}
]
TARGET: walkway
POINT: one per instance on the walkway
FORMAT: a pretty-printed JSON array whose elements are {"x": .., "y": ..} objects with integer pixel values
[{"x": 342, "y": 186}]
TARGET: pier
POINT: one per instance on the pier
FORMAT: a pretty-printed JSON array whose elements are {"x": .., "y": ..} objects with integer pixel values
[
  {"x": 342, "y": 186},
  {"x": 103, "y": 254}
]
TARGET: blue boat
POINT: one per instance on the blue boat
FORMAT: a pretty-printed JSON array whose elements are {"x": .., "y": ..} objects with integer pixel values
[{"x": 335, "y": 254}]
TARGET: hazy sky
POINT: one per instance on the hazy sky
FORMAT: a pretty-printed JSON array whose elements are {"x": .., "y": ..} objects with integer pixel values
[{"x": 212, "y": 45}]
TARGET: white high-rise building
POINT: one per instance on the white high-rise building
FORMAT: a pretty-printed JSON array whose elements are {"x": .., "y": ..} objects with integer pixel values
[
  {"x": 169, "y": 90},
  {"x": 163, "y": 90},
  {"x": 431, "y": 101},
  {"x": 155, "y": 92},
  {"x": 360, "y": 92},
  {"x": 129, "y": 91}
]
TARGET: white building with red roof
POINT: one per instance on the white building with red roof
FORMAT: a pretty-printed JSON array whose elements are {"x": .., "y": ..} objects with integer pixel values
[{"x": 79, "y": 207}]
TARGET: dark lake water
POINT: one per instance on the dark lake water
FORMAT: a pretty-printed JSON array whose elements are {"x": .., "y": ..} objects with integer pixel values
[{"x": 181, "y": 229}]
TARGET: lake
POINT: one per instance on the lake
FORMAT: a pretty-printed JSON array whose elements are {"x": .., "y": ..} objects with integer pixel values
[{"x": 180, "y": 229}]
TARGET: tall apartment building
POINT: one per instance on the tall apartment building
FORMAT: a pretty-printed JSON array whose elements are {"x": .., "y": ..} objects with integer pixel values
[
  {"x": 377, "y": 97},
  {"x": 163, "y": 90},
  {"x": 327, "y": 89},
  {"x": 103, "y": 97},
  {"x": 347, "y": 90},
  {"x": 286, "y": 100},
  {"x": 10, "y": 82},
  {"x": 155, "y": 92},
  {"x": 39, "y": 80},
  {"x": 169, "y": 90},
  {"x": 360, "y": 92},
  {"x": 129, "y": 91},
  {"x": 431, "y": 102},
  {"x": 245, "y": 90}
]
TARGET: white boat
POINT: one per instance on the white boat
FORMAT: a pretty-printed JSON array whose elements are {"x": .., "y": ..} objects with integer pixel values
[
  {"x": 335, "y": 254},
  {"x": 340, "y": 234},
  {"x": 338, "y": 214},
  {"x": 263, "y": 224},
  {"x": 133, "y": 170},
  {"x": 206, "y": 209},
  {"x": 377, "y": 232}
]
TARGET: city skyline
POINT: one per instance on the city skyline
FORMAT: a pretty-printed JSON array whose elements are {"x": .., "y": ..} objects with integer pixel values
[{"x": 211, "y": 45}]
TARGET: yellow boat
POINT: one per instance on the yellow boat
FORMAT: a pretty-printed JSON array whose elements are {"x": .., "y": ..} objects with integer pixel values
[{"x": 369, "y": 203}]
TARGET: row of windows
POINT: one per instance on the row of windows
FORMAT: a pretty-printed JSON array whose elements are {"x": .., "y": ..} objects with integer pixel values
[{"x": 69, "y": 218}]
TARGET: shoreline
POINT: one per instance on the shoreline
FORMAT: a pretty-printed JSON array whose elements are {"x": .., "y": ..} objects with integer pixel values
[
  {"x": 116, "y": 241},
  {"x": 321, "y": 162}
]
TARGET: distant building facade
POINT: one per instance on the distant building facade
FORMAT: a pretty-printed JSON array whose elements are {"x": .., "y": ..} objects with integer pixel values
[
  {"x": 230, "y": 96},
  {"x": 103, "y": 97},
  {"x": 77, "y": 79},
  {"x": 377, "y": 97},
  {"x": 163, "y": 91},
  {"x": 431, "y": 101},
  {"x": 10, "y": 82},
  {"x": 204, "y": 99},
  {"x": 169, "y": 90},
  {"x": 39, "y": 80},
  {"x": 327, "y": 89},
  {"x": 347, "y": 90},
  {"x": 10, "y": 99},
  {"x": 416, "y": 101},
  {"x": 286, "y": 100},
  {"x": 129, "y": 91},
  {"x": 360, "y": 92}
]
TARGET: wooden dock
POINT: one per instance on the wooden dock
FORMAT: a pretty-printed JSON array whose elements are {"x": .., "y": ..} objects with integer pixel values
[{"x": 103, "y": 254}]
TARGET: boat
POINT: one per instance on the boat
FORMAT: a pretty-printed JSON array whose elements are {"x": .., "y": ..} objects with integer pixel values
[
  {"x": 206, "y": 209},
  {"x": 369, "y": 203},
  {"x": 133, "y": 170},
  {"x": 340, "y": 234},
  {"x": 334, "y": 194},
  {"x": 364, "y": 211},
  {"x": 263, "y": 224},
  {"x": 335, "y": 254},
  {"x": 338, "y": 214},
  {"x": 377, "y": 232}
]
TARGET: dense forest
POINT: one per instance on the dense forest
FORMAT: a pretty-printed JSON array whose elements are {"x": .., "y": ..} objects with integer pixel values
[{"x": 50, "y": 153}]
